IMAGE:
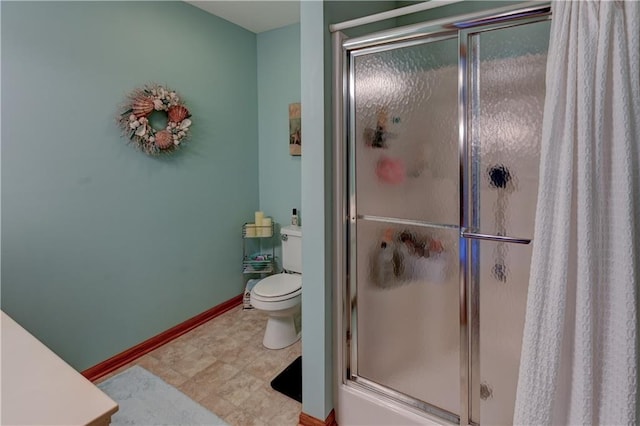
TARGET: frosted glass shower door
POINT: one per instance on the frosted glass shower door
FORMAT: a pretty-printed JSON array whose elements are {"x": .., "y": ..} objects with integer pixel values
[
  {"x": 508, "y": 88},
  {"x": 405, "y": 205}
]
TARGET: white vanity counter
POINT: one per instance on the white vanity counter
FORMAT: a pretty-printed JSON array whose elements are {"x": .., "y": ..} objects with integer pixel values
[{"x": 39, "y": 388}]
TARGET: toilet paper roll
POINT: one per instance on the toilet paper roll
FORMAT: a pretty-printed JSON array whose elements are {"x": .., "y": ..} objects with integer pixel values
[
  {"x": 250, "y": 230},
  {"x": 259, "y": 216},
  {"x": 266, "y": 227}
]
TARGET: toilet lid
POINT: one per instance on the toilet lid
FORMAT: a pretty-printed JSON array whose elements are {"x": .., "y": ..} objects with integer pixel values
[{"x": 278, "y": 285}]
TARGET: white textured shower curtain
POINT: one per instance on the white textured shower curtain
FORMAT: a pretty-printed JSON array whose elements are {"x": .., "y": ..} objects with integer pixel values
[{"x": 580, "y": 348}]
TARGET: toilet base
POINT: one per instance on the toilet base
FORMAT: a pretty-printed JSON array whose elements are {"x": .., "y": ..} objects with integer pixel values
[{"x": 280, "y": 332}]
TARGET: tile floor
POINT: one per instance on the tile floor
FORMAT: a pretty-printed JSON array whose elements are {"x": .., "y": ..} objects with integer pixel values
[{"x": 223, "y": 366}]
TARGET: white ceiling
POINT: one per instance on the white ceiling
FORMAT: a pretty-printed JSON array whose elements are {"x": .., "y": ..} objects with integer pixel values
[{"x": 255, "y": 16}]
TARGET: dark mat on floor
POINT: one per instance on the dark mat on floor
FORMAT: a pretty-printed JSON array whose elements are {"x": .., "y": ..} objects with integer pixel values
[{"x": 289, "y": 382}]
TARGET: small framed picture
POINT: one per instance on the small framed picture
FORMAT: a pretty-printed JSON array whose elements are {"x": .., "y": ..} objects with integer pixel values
[{"x": 295, "y": 140}]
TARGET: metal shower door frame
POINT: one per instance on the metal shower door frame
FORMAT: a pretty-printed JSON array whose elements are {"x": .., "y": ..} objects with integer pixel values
[
  {"x": 469, "y": 49},
  {"x": 465, "y": 28}
]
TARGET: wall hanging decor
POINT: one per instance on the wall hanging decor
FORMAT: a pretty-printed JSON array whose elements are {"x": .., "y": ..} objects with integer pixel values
[
  {"x": 295, "y": 140},
  {"x": 135, "y": 125}
]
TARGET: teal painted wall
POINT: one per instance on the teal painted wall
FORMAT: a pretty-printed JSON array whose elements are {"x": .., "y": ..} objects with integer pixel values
[
  {"x": 316, "y": 301},
  {"x": 278, "y": 86},
  {"x": 103, "y": 246},
  {"x": 317, "y": 335}
]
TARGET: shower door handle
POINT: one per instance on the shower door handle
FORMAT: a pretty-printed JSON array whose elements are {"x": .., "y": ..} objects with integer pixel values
[{"x": 465, "y": 233}]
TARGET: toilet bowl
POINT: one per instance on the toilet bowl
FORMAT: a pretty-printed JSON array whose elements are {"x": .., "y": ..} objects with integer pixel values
[{"x": 279, "y": 296}]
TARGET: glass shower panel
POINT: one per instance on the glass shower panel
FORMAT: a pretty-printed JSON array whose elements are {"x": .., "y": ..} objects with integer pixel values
[
  {"x": 502, "y": 309},
  {"x": 507, "y": 105},
  {"x": 408, "y": 321},
  {"x": 406, "y": 132},
  {"x": 506, "y": 126}
]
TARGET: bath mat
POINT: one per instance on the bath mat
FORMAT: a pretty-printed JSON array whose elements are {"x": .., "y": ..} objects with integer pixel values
[
  {"x": 145, "y": 399},
  {"x": 289, "y": 382}
]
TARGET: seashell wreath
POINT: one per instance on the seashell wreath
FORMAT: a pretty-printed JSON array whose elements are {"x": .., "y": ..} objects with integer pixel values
[{"x": 135, "y": 123}]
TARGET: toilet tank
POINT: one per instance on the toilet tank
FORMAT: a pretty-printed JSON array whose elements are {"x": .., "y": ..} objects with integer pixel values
[{"x": 291, "y": 248}]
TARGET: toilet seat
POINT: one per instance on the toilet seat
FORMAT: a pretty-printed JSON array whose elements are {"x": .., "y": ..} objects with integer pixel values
[{"x": 279, "y": 287}]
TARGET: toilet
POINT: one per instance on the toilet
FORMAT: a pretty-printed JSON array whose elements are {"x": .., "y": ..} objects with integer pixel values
[{"x": 280, "y": 295}]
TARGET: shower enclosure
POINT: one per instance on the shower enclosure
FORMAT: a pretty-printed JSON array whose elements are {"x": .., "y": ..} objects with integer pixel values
[{"x": 437, "y": 149}]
